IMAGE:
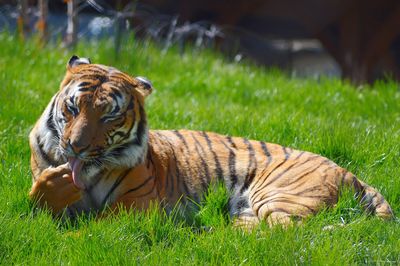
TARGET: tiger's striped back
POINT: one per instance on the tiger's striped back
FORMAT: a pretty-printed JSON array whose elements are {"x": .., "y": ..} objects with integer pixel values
[{"x": 266, "y": 181}]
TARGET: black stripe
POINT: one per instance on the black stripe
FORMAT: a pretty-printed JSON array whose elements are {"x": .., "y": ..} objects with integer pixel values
[
  {"x": 99, "y": 177},
  {"x": 300, "y": 155},
  {"x": 169, "y": 183},
  {"x": 162, "y": 137},
  {"x": 230, "y": 141},
  {"x": 203, "y": 162},
  {"x": 218, "y": 167},
  {"x": 232, "y": 169},
  {"x": 90, "y": 88},
  {"x": 314, "y": 168},
  {"x": 298, "y": 194},
  {"x": 178, "y": 177},
  {"x": 94, "y": 74},
  {"x": 262, "y": 187},
  {"x": 131, "y": 104},
  {"x": 181, "y": 178},
  {"x": 251, "y": 168},
  {"x": 84, "y": 84},
  {"x": 114, "y": 186},
  {"x": 265, "y": 149},
  {"x": 116, "y": 91},
  {"x": 266, "y": 152},
  {"x": 140, "y": 186},
  {"x": 305, "y": 172},
  {"x": 308, "y": 189},
  {"x": 287, "y": 155},
  {"x": 242, "y": 204},
  {"x": 122, "y": 121},
  {"x": 264, "y": 179},
  {"x": 279, "y": 175},
  {"x": 174, "y": 176},
  {"x": 148, "y": 192},
  {"x": 149, "y": 159},
  {"x": 286, "y": 152},
  {"x": 100, "y": 76},
  {"x": 117, "y": 133},
  {"x": 268, "y": 155},
  {"x": 180, "y": 136},
  {"x": 249, "y": 179},
  {"x": 117, "y": 108},
  {"x": 129, "y": 145},
  {"x": 43, "y": 154},
  {"x": 138, "y": 141},
  {"x": 342, "y": 177},
  {"x": 283, "y": 200},
  {"x": 50, "y": 120},
  {"x": 231, "y": 161},
  {"x": 141, "y": 127},
  {"x": 67, "y": 88}
]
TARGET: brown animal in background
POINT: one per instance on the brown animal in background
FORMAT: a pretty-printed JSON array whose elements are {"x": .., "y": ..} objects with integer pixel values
[{"x": 92, "y": 149}]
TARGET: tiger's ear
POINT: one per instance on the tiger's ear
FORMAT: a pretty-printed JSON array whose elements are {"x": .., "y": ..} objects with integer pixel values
[
  {"x": 144, "y": 86},
  {"x": 75, "y": 61}
]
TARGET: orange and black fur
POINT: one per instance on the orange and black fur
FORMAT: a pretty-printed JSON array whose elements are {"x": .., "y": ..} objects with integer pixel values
[{"x": 91, "y": 149}]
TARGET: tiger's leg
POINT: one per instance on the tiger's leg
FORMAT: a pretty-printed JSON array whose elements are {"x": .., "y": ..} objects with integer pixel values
[
  {"x": 279, "y": 218},
  {"x": 246, "y": 220},
  {"x": 284, "y": 209},
  {"x": 241, "y": 212},
  {"x": 301, "y": 189}
]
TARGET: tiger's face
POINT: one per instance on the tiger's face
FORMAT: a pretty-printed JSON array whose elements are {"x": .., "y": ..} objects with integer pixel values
[{"x": 101, "y": 116}]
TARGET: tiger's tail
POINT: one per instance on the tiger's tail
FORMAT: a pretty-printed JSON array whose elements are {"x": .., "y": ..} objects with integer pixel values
[{"x": 370, "y": 199}]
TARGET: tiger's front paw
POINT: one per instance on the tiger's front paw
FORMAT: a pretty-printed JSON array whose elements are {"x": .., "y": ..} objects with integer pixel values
[{"x": 55, "y": 189}]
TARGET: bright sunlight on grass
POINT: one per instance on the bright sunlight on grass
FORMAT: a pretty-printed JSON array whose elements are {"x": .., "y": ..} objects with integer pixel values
[{"x": 357, "y": 128}]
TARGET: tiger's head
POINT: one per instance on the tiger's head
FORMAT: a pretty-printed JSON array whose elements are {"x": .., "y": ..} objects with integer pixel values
[{"x": 99, "y": 115}]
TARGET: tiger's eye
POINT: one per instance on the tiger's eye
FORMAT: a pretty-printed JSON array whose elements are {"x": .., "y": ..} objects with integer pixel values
[{"x": 72, "y": 108}]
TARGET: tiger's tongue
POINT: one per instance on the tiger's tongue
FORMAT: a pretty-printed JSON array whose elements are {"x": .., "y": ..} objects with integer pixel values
[{"x": 76, "y": 167}]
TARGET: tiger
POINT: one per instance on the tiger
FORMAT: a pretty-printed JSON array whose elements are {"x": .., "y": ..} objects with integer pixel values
[{"x": 93, "y": 152}]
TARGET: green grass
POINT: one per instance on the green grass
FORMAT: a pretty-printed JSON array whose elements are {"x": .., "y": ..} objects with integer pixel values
[{"x": 357, "y": 128}]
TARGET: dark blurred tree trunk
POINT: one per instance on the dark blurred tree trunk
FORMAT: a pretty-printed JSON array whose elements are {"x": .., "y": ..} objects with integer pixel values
[
  {"x": 42, "y": 21},
  {"x": 72, "y": 24},
  {"x": 23, "y": 19},
  {"x": 358, "y": 41}
]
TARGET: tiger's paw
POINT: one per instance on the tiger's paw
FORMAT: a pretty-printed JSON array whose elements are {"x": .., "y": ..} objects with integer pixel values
[{"x": 55, "y": 189}]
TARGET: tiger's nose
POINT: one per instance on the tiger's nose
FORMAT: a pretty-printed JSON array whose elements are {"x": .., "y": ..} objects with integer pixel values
[{"x": 77, "y": 147}]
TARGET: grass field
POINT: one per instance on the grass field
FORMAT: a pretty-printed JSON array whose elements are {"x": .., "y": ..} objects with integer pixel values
[{"x": 356, "y": 127}]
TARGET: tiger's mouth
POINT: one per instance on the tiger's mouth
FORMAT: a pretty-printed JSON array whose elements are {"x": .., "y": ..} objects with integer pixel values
[
  {"x": 84, "y": 166},
  {"x": 76, "y": 165},
  {"x": 80, "y": 163}
]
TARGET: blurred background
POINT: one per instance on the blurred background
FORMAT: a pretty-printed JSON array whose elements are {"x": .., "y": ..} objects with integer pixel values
[{"x": 356, "y": 40}]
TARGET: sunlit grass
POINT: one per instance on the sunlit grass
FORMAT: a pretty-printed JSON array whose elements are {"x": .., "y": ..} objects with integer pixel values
[{"x": 357, "y": 128}]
